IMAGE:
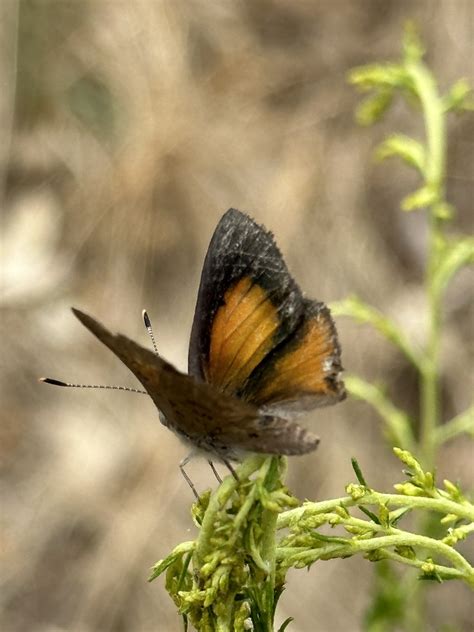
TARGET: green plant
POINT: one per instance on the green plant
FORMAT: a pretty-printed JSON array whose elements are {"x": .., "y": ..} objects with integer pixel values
[
  {"x": 231, "y": 576},
  {"x": 234, "y": 577},
  {"x": 446, "y": 255},
  {"x": 412, "y": 79},
  {"x": 252, "y": 530}
]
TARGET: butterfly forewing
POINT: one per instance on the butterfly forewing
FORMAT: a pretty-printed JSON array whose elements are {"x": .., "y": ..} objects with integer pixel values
[
  {"x": 243, "y": 333},
  {"x": 247, "y": 303},
  {"x": 210, "y": 419}
]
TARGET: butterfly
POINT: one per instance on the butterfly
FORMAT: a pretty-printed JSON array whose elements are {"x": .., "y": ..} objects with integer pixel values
[{"x": 260, "y": 353}]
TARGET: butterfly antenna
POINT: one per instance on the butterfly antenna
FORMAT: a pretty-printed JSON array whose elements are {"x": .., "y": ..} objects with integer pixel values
[
  {"x": 50, "y": 380},
  {"x": 149, "y": 328}
]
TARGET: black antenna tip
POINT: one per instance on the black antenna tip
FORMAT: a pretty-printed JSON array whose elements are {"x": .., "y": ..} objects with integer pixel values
[
  {"x": 50, "y": 380},
  {"x": 146, "y": 319}
]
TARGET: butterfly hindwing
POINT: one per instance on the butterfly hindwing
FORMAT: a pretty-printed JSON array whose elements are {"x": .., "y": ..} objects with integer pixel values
[{"x": 303, "y": 372}]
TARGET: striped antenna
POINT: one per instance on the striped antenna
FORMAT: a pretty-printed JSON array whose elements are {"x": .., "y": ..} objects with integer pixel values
[
  {"x": 149, "y": 328},
  {"x": 50, "y": 380}
]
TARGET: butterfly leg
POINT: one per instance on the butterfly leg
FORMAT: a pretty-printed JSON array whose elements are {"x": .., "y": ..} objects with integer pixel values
[
  {"x": 216, "y": 473},
  {"x": 231, "y": 469},
  {"x": 182, "y": 465}
]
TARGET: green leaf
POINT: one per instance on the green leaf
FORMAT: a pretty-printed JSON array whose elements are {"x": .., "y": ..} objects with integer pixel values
[
  {"x": 162, "y": 565},
  {"x": 459, "y": 97},
  {"x": 455, "y": 256},
  {"x": 397, "y": 515},
  {"x": 373, "y": 76},
  {"x": 285, "y": 624},
  {"x": 408, "y": 149},
  {"x": 454, "y": 491},
  {"x": 422, "y": 198},
  {"x": 444, "y": 211},
  {"x": 413, "y": 48},
  {"x": 358, "y": 472},
  {"x": 374, "y": 107},
  {"x": 369, "y": 514},
  {"x": 173, "y": 557}
]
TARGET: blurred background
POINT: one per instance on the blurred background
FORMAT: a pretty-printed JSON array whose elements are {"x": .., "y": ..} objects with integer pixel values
[{"x": 127, "y": 129}]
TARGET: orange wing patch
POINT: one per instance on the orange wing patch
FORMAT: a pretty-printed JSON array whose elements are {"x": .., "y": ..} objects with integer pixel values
[
  {"x": 242, "y": 335},
  {"x": 310, "y": 367}
]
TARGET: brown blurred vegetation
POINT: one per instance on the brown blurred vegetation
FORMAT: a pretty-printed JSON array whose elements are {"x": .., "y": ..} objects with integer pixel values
[{"x": 127, "y": 130}]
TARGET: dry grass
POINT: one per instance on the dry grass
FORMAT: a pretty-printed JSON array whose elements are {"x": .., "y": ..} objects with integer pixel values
[{"x": 129, "y": 129}]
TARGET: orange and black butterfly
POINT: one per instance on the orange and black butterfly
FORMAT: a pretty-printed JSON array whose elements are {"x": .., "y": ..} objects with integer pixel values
[{"x": 260, "y": 353}]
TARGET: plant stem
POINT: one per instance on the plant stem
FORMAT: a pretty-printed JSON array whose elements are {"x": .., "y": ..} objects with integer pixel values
[
  {"x": 269, "y": 522},
  {"x": 268, "y": 541},
  {"x": 434, "y": 172},
  {"x": 434, "y": 168},
  {"x": 398, "y": 539},
  {"x": 440, "y": 505}
]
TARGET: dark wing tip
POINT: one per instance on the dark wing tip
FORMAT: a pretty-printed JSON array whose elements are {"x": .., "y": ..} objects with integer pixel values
[
  {"x": 90, "y": 323},
  {"x": 234, "y": 213},
  {"x": 109, "y": 339},
  {"x": 233, "y": 218},
  {"x": 82, "y": 316}
]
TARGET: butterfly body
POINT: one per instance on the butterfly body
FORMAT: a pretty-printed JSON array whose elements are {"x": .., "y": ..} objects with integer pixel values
[{"x": 260, "y": 353}]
